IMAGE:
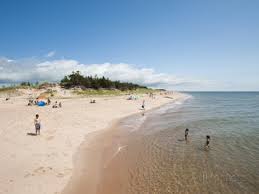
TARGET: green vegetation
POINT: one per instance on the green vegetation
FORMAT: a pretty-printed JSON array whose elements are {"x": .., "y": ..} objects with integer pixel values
[
  {"x": 7, "y": 89},
  {"x": 88, "y": 86},
  {"x": 26, "y": 84},
  {"x": 77, "y": 80},
  {"x": 23, "y": 85},
  {"x": 112, "y": 92},
  {"x": 50, "y": 92}
]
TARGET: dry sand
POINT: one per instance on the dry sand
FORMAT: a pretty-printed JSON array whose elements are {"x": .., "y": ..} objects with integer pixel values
[{"x": 44, "y": 164}]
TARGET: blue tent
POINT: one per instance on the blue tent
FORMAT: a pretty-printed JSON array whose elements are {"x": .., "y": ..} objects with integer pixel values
[{"x": 41, "y": 103}]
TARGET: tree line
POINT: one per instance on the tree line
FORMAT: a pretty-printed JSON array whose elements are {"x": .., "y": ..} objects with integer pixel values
[{"x": 76, "y": 79}]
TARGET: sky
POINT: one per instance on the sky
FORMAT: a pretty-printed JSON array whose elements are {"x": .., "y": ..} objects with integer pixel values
[{"x": 202, "y": 45}]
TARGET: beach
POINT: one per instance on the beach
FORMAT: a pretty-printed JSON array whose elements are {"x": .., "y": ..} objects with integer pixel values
[
  {"x": 149, "y": 154},
  {"x": 44, "y": 164}
]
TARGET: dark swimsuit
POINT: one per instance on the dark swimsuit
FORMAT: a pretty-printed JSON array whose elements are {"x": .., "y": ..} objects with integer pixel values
[{"x": 37, "y": 126}]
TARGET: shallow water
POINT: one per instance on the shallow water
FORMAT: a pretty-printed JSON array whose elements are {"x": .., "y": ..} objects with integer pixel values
[{"x": 151, "y": 156}]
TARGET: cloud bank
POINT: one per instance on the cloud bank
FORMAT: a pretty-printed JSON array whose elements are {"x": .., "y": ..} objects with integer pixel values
[{"x": 34, "y": 69}]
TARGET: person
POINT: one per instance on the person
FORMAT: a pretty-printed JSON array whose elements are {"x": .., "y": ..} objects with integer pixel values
[
  {"x": 186, "y": 134},
  {"x": 49, "y": 101},
  {"x": 37, "y": 124},
  {"x": 55, "y": 105},
  {"x": 59, "y": 104},
  {"x": 207, "y": 141},
  {"x": 30, "y": 103},
  {"x": 92, "y": 101},
  {"x": 36, "y": 101},
  {"x": 143, "y": 104}
]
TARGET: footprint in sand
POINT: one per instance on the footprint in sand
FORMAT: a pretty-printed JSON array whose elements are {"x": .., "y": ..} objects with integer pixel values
[
  {"x": 27, "y": 175},
  {"x": 49, "y": 138},
  {"x": 60, "y": 175},
  {"x": 66, "y": 172},
  {"x": 51, "y": 132},
  {"x": 39, "y": 171},
  {"x": 43, "y": 170}
]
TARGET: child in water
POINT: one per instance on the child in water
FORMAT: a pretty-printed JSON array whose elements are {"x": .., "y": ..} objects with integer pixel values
[
  {"x": 207, "y": 141},
  {"x": 186, "y": 134}
]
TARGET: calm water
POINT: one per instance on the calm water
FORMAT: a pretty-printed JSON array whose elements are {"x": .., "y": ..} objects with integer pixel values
[{"x": 155, "y": 158}]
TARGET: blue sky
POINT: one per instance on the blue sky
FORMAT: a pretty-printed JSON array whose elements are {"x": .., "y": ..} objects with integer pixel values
[{"x": 194, "y": 45}]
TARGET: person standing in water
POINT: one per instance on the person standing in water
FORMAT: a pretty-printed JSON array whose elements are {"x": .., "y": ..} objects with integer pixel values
[
  {"x": 37, "y": 124},
  {"x": 207, "y": 141},
  {"x": 186, "y": 134}
]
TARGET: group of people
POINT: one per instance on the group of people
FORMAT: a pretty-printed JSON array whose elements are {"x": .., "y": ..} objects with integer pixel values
[
  {"x": 207, "y": 138},
  {"x": 33, "y": 102},
  {"x": 57, "y": 105},
  {"x": 36, "y": 101},
  {"x": 92, "y": 101}
]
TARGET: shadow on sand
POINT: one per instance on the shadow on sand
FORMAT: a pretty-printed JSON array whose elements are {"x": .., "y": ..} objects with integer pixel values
[{"x": 32, "y": 134}]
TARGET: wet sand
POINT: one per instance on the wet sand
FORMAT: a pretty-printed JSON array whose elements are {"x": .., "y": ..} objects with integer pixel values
[
  {"x": 148, "y": 154},
  {"x": 103, "y": 164}
]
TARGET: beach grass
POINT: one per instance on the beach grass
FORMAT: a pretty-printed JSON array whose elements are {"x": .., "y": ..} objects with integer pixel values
[
  {"x": 8, "y": 90},
  {"x": 107, "y": 92},
  {"x": 13, "y": 90}
]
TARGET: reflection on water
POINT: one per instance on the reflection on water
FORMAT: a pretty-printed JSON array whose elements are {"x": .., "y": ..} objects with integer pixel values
[{"x": 155, "y": 158}]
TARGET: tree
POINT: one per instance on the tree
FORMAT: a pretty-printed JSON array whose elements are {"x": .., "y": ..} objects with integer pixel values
[{"x": 77, "y": 79}]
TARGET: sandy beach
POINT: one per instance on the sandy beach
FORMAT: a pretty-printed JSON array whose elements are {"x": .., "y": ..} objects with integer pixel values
[{"x": 44, "y": 164}]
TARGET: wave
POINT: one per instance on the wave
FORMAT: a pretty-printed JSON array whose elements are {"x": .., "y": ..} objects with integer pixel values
[
  {"x": 174, "y": 105},
  {"x": 135, "y": 123}
]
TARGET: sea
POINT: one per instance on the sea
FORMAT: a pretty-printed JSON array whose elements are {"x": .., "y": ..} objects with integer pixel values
[
  {"x": 153, "y": 156},
  {"x": 147, "y": 152}
]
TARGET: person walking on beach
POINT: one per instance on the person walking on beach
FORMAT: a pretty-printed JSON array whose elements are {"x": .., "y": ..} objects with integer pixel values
[
  {"x": 207, "y": 141},
  {"x": 37, "y": 124},
  {"x": 143, "y": 105},
  {"x": 186, "y": 134}
]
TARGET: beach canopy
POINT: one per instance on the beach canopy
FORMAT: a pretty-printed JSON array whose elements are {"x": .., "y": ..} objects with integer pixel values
[{"x": 41, "y": 103}]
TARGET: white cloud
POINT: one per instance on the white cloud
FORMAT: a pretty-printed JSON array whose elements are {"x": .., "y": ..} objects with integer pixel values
[
  {"x": 54, "y": 70},
  {"x": 5, "y": 61},
  {"x": 51, "y": 54}
]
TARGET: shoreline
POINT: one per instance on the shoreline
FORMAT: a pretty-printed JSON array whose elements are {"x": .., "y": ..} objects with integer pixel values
[
  {"x": 44, "y": 164},
  {"x": 91, "y": 161}
]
